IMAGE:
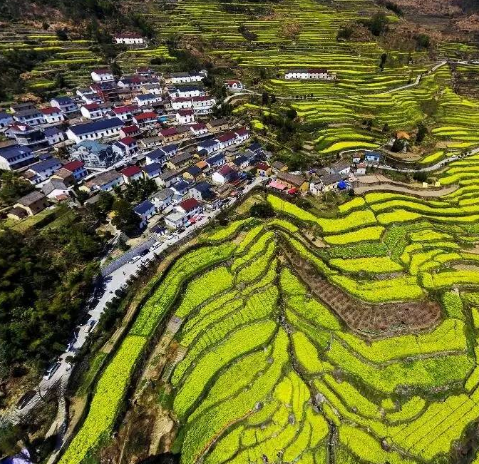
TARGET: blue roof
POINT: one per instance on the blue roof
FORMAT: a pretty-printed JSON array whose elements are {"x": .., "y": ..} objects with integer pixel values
[
  {"x": 372, "y": 153},
  {"x": 202, "y": 186},
  {"x": 143, "y": 207},
  {"x": 208, "y": 143},
  {"x": 156, "y": 154},
  {"x": 92, "y": 146},
  {"x": 342, "y": 185},
  {"x": 153, "y": 167},
  {"x": 12, "y": 152},
  {"x": 63, "y": 100},
  {"x": 172, "y": 148},
  {"x": 5, "y": 115},
  {"x": 181, "y": 185},
  {"x": 52, "y": 131},
  {"x": 255, "y": 146},
  {"x": 147, "y": 96},
  {"x": 96, "y": 126},
  {"x": 215, "y": 158},
  {"x": 187, "y": 88},
  {"x": 194, "y": 170},
  {"x": 44, "y": 165}
]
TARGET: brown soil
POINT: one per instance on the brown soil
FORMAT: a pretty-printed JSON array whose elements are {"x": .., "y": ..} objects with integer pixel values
[{"x": 369, "y": 320}]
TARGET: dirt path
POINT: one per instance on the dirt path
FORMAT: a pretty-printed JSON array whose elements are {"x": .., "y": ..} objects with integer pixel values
[{"x": 381, "y": 183}]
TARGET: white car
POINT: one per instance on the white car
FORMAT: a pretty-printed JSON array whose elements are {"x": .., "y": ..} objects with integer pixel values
[{"x": 134, "y": 259}]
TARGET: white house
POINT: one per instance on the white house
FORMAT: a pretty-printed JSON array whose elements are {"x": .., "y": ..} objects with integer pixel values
[
  {"x": 95, "y": 130},
  {"x": 131, "y": 174},
  {"x": 147, "y": 99},
  {"x": 126, "y": 146},
  {"x": 106, "y": 181},
  {"x": 94, "y": 110},
  {"x": 88, "y": 96},
  {"x": 209, "y": 146},
  {"x": 129, "y": 38},
  {"x": 145, "y": 120},
  {"x": 31, "y": 117},
  {"x": 190, "y": 207},
  {"x": 52, "y": 115},
  {"x": 145, "y": 210},
  {"x": 226, "y": 140},
  {"x": 185, "y": 78},
  {"x": 126, "y": 112},
  {"x": 234, "y": 86},
  {"x": 54, "y": 135},
  {"x": 43, "y": 170},
  {"x": 242, "y": 135},
  {"x": 199, "y": 129},
  {"x": 176, "y": 220},
  {"x": 185, "y": 116},
  {"x": 223, "y": 175},
  {"x": 203, "y": 104},
  {"x": 163, "y": 199},
  {"x": 5, "y": 120},
  {"x": 102, "y": 75},
  {"x": 314, "y": 73},
  {"x": 181, "y": 103},
  {"x": 65, "y": 104},
  {"x": 188, "y": 91},
  {"x": 14, "y": 157}
]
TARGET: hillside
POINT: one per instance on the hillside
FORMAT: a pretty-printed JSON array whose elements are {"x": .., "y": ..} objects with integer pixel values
[{"x": 316, "y": 339}]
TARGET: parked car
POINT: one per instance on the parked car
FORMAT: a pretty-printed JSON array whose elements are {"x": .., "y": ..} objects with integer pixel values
[
  {"x": 91, "y": 324},
  {"x": 134, "y": 259},
  {"x": 25, "y": 399},
  {"x": 51, "y": 371}
]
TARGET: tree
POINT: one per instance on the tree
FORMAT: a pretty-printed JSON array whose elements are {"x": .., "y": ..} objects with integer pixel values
[
  {"x": 384, "y": 57},
  {"x": 105, "y": 202},
  {"x": 265, "y": 98},
  {"x": 13, "y": 187},
  {"x": 125, "y": 219},
  {"x": 422, "y": 41},
  {"x": 421, "y": 133},
  {"x": 262, "y": 210},
  {"x": 398, "y": 146},
  {"x": 291, "y": 113}
]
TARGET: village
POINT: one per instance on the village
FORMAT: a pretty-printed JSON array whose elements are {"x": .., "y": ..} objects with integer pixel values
[{"x": 148, "y": 127}]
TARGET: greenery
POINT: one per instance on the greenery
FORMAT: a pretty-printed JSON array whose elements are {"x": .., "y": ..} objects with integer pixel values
[{"x": 45, "y": 279}]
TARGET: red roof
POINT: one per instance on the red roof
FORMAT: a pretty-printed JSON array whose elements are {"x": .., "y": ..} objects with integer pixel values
[
  {"x": 131, "y": 171},
  {"x": 91, "y": 106},
  {"x": 73, "y": 165},
  {"x": 129, "y": 35},
  {"x": 180, "y": 99},
  {"x": 189, "y": 204},
  {"x": 226, "y": 137},
  {"x": 317, "y": 71},
  {"x": 225, "y": 170},
  {"x": 232, "y": 82},
  {"x": 242, "y": 131},
  {"x": 169, "y": 131},
  {"x": 202, "y": 98},
  {"x": 50, "y": 110},
  {"x": 130, "y": 129},
  {"x": 125, "y": 109},
  {"x": 147, "y": 115},
  {"x": 185, "y": 112},
  {"x": 198, "y": 126},
  {"x": 127, "y": 141},
  {"x": 102, "y": 71},
  {"x": 262, "y": 166}
]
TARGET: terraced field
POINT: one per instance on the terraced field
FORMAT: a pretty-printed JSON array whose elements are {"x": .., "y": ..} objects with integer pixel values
[
  {"x": 334, "y": 110},
  {"x": 361, "y": 351}
]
